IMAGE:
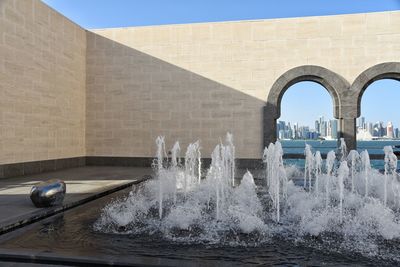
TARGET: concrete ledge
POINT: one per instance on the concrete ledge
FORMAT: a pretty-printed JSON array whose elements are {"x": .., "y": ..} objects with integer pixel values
[
  {"x": 15, "y": 223},
  {"x": 120, "y": 161},
  {"x": 147, "y": 162}
]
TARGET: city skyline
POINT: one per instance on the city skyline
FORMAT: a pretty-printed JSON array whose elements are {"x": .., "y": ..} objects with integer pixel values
[
  {"x": 305, "y": 101},
  {"x": 378, "y": 129},
  {"x": 328, "y": 129},
  {"x": 322, "y": 129}
]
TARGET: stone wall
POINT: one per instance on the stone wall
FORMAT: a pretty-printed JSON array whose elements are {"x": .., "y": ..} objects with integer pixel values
[
  {"x": 66, "y": 92},
  {"x": 198, "y": 81},
  {"x": 133, "y": 97},
  {"x": 42, "y": 83}
]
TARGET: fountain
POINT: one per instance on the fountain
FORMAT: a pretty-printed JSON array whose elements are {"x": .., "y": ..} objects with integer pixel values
[
  {"x": 317, "y": 170},
  {"x": 330, "y": 161},
  {"x": 276, "y": 176},
  {"x": 175, "y": 160},
  {"x": 160, "y": 159},
  {"x": 346, "y": 205},
  {"x": 192, "y": 166},
  {"x": 390, "y": 171},
  {"x": 353, "y": 159},
  {"x": 309, "y": 162},
  {"x": 366, "y": 169},
  {"x": 343, "y": 172}
]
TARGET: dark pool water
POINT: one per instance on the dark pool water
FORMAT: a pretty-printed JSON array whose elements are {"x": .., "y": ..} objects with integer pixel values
[{"x": 71, "y": 234}]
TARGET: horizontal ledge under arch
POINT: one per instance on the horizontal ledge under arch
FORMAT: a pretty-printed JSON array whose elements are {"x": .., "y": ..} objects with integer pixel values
[
  {"x": 387, "y": 70},
  {"x": 335, "y": 84}
]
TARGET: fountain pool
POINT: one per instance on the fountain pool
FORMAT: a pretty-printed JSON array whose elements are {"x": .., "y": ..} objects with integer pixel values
[
  {"x": 71, "y": 239},
  {"x": 345, "y": 212}
]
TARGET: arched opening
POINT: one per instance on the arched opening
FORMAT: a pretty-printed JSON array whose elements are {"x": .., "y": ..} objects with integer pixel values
[
  {"x": 384, "y": 80},
  {"x": 307, "y": 116},
  {"x": 334, "y": 84},
  {"x": 379, "y": 121}
]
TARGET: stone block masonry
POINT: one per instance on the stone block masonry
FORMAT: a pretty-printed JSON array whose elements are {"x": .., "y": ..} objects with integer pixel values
[
  {"x": 42, "y": 84},
  {"x": 198, "y": 81}
]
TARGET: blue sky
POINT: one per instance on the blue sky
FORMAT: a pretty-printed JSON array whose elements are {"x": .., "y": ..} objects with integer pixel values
[
  {"x": 379, "y": 101},
  {"x": 119, "y": 13},
  {"x": 304, "y": 102}
]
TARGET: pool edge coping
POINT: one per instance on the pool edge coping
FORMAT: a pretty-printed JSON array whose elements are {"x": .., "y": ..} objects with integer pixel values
[{"x": 46, "y": 213}]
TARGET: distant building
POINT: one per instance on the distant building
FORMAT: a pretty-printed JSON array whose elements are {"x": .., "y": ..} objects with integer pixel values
[
  {"x": 379, "y": 130},
  {"x": 323, "y": 129},
  {"x": 281, "y": 134},
  {"x": 289, "y": 132},
  {"x": 333, "y": 128},
  {"x": 361, "y": 123},
  {"x": 389, "y": 130},
  {"x": 317, "y": 125},
  {"x": 329, "y": 130},
  {"x": 396, "y": 133},
  {"x": 281, "y": 125},
  {"x": 364, "y": 135},
  {"x": 370, "y": 128}
]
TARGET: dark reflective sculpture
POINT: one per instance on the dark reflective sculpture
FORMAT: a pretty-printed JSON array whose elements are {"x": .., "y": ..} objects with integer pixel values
[{"x": 48, "y": 193}]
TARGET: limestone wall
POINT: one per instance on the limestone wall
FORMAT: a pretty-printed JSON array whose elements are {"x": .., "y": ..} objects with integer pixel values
[
  {"x": 198, "y": 81},
  {"x": 67, "y": 92},
  {"x": 42, "y": 83}
]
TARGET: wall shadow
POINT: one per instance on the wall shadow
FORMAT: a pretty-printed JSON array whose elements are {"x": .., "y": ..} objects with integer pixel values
[{"x": 133, "y": 97}]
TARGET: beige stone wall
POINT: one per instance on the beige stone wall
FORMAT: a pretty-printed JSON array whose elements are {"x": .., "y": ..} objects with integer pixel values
[
  {"x": 65, "y": 92},
  {"x": 42, "y": 83},
  {"x": 198, "y": 81},
  {"x": 133, "y": 97}
]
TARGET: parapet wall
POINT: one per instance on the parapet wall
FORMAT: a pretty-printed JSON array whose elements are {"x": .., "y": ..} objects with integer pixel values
[
  {"x": 198, "y": 81},
  {"x": 42, "y": 83}
]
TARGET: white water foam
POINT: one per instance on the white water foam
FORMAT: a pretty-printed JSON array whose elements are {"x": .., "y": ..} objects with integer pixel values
[{"x": 346, "y": 204}]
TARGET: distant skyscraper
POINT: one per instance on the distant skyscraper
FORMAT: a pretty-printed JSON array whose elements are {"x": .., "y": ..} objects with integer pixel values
[
  {"x": 289, "y": 132},
  {"x": 382, "y": 129},
  {"x": 379, "y": 130},
  {"x": 370, "y": 128},
  {"x": 296, "y": 131},
  {"x": 361, "y": 123},
  {"x": 334, "y": 128},
  {"x": 376, "y": 130},
  {"x": 281, "y": 126},
  {"x": 317, "y": 126},
  {"x": 281, "y": 134},
  {"x": 396, "y": 133},
  {"x": 329, "y": 128},
  {"x": 389, "y": 130},
  {"x": 323, "y": 128}
]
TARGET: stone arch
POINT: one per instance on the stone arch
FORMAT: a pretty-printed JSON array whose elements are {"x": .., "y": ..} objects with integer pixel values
[
  {"x": 335, "y": 84},
  {"x": 387, "y": 70}
]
